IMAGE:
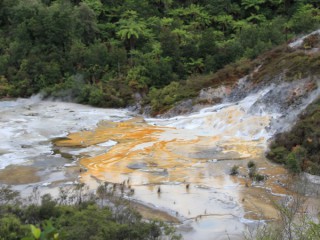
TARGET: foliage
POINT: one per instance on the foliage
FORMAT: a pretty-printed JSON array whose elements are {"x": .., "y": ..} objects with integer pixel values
[
  {"x": 251, "y": 164},
  {"x": 166, "y": 97},
  {"x": 305, "y": 18},
  {"x": 278, "y": 154},
  {"x": 11, "y": 227},
  {"x": 293, "y": 163},
  {"x": 102, "y": 53},
  {"x": 189, "y": 88},
  {"x": 293, "y": 224},
  {"x": 79, "y": 219},
  {"x": 258, "y": 177},
  {"x": 299, "y": 149},
  {"x": 48, "y": 233},
  {"x": 8, "y": 196},
  {"x": 234, "y": 170},
  {"x": 252, "y": 172}
]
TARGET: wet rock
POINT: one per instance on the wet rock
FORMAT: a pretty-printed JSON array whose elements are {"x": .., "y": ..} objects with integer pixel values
[
  {"x": 31, "y": 114},
  {"x": 70, "y": 165},
  {"x": 157, "y": 171},
  {"x": 26, "y": 146},
  {"x": 213, "y": 161},
  {"x": 284, "y": 97},
  {"x": 214, "y": 95},
  {"x": 243, "y": 87},
  {"x": 312, "y": 178},
  {"x": 137, "y": 107},
  {"x": 299, "y": 42},
  {"x": 139, "y": 165},
  {"x": 181, "y": 108}
]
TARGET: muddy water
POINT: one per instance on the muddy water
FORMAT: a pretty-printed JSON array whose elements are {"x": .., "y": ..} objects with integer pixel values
[{"x": 181, "y": 165}]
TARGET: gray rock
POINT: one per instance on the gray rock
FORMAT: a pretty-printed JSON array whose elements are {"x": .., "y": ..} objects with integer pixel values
[{"x": 139, "y": 165}]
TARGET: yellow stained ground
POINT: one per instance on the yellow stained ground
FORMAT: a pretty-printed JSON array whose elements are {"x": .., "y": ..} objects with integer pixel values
[
  {"x": 15, "y": 174},
  {"x": 168, "y": 157}
]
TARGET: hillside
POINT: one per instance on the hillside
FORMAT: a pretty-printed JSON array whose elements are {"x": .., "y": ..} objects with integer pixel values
[
  {"x": 115, "y": 53},
  {"x": 299, "y": 149}
]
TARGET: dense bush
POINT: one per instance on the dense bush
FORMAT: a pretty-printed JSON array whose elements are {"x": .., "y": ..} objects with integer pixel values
[
  {"x": 299, "y": 149},
  {"x": 119, "y": 48}
]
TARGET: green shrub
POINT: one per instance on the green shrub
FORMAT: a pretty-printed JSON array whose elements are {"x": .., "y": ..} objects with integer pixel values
[
  {"x": 278, "y": 154},
  {"x": 78, "y": 222},
  {"x": 299, "y": 149},
  {"x": 258, "y": 177},
  {"x": 305, "y": 19},
  {"x": 11, "y": 227},
  {"x": 234, "y": 170},
  {"x": 251, "y": 164},
  {"x": 252, "y": 172},
  {"x": 292, "y": 163}
]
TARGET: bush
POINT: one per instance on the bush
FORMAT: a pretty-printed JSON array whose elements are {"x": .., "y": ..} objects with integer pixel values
[
  {"x": 251, "y": 164},
  {"x": 234, "y": 170},
  {"x": 258, "y": 177},
  {"x": 305, "y": 19},
  {"x": 78, "y": 222},
  {"x": 293, "y": 163},
  {"x": 252, "y": 172},
  {"x": 278, "y": 154},
  {"x": 163, "y": 99},
  {"x": 11, "y": 227},
  {"x": 299, "y": 149}
]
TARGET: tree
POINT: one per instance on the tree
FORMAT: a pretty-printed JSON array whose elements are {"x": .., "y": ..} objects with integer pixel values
[
  {"x": 131, "y": 28},
  {"x": 86, "y": 24},
  {"x": 163, "y": 5},
  {"x": 225, "y": 21},
  {"x": 306, "y": 18},
  {"x": 256, "y": 18},
  {"x": 182, "y": 35},
  {"x": 195, "y": 65},
  {"x": 252, "y": 4},
  {"x": 95, "y": 5}
]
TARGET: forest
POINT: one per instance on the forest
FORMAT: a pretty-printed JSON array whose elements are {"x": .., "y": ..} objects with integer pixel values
[{"x": 115, "y": 53}]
